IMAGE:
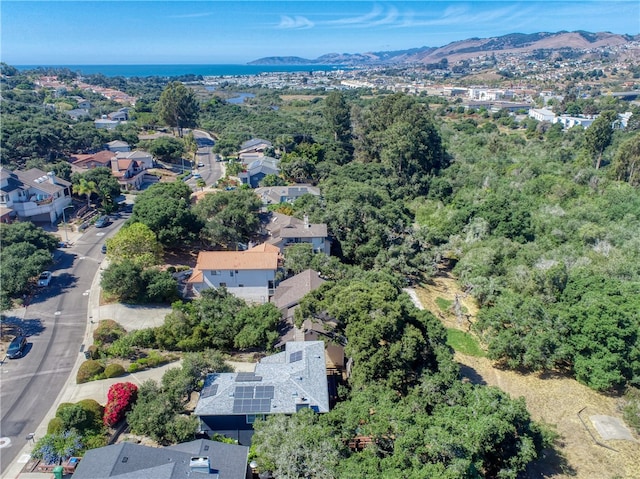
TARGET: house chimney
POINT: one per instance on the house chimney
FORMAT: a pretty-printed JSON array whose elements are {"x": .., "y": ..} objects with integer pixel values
[
  {"x": 306, "y": 221},
  {"x": 52, "y": 177},
  {"x": 114, "y": 164}
]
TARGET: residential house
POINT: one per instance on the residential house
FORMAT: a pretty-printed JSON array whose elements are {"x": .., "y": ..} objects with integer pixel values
[
  {"x": 33, "y": 194},
  {"x": 82, "y": 103},
  {"x": 273, "y": 195},
  {"x": 105, "y": 123},
  {"x": 77, "y": 113},
  {"x": 92, "y": 160},
  {"x": 542, "y": 114},
  {"x": 250, "y": 274},
  {"x": 143, "y": 158},
  {"x": 282, "y": 383},
  {"x": 117, "y": 146},
  {"x": 253, "y": 149},
  {"x": 568, "y": 121},
  {"x": 257, "y": 170},
  {"x": 200, "y": 458},
  {"x": 287, "y": 297},
  {"x": 121, "y": 115},
  {"x": 285, "y": 230},
  {"x": 129, "y": 173}
]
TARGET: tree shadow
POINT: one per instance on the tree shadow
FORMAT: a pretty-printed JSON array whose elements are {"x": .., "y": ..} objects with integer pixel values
[
  {"x": 14, "y": 326},
  {"x": 467, "y": 373},
  {"x": 59, "y": 285},
  {"x": 550, "y": 464}
]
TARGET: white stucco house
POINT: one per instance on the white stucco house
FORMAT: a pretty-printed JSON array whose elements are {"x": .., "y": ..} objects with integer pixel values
[
  {"x": 33, "y": 194},
  {"x": 250, "y": 274}
]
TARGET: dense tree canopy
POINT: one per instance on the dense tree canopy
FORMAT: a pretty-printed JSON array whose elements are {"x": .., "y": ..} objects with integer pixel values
[
  {"x": 166, "y": 209},
  {"x": 25, "y": 253},
  {"x": 229, "y": 217}
]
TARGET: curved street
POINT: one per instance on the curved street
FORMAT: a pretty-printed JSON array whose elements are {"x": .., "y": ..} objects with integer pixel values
[{"x": 55, "y": 320}]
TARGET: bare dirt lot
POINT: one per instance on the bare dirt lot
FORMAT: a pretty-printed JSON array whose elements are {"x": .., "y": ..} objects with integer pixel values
[{"x": 554, "y": 400}]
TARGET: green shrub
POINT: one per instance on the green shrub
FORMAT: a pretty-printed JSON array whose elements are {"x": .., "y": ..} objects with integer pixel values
[
  {"x": 94, "y": 413},
  {"x": 94, "y": 441},
  {"x": 94, "y": 351},
  {"x": 62, "y": 406},
  {"x": 88, "y": 370},
  {"x": 121, "y": 347},
  {"x": 55, "y": 426},
  {"x": 108, "y": 331},
  {"x": 113, "y": 370},
  {"x": 155, "y": 359},
  {"x": 143, "y": 338},
  {"x": 134, "y": 367}
]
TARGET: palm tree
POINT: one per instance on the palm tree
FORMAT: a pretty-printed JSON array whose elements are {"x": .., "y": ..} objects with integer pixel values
[{"x": 85, "y": 188}]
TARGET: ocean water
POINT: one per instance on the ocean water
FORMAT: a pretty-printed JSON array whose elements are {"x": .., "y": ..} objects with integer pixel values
[{"x": 178, "y": 70}]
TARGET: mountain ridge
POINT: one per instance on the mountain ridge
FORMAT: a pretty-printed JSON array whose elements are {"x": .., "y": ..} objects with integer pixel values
[{"x": 464, "y": 49}]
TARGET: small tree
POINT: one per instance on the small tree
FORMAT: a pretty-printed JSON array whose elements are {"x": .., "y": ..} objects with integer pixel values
[
  {"x": 136, "y": 243},
  {"x": 598, "y": 135},
  {"x": 85, "y": 188}
]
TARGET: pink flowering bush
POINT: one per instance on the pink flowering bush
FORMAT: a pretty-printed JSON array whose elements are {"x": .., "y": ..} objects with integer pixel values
[{"x": 120, "y": 399}]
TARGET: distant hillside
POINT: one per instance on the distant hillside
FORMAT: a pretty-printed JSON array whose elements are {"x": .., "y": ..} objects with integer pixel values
[{"x": 464, "y": 49}]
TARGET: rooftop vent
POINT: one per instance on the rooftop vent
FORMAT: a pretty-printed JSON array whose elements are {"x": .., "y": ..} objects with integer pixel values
[{"x": 199, "y": 464}]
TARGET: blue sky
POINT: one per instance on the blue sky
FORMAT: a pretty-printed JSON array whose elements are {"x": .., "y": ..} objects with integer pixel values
[{"x": 186, "y": 32}]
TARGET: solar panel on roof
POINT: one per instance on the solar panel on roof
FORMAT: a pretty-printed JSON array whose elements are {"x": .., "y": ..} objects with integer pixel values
[
  {"x": 297, "y": 356},
  {"x": 244, "y": 392},
  {"x": 264, "y": 392},
  {"x": 210, "y": 390},
  {"x": 247, "y": 377},
  {"x": 251, "y": 406}
]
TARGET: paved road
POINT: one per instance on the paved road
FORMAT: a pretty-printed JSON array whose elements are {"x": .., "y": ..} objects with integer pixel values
[
  {"x": 212, "y": 170},
  {"x": 54, "y": 320}
]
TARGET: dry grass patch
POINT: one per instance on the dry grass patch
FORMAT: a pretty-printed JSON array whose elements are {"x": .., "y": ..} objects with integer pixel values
[{"x": 554, "y": 400}]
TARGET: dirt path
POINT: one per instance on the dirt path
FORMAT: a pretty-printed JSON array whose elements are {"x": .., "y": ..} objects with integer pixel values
[{"x": 553, "y": 400}]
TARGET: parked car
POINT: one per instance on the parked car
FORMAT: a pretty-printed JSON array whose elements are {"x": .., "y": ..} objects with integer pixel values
[
  {"x": 44, "y": 279},
  {"x": 16, "y": 348},
  {"x": 102, "y": 222},
  {"x": 200, "y": 164},
  {"x": 104, "y": 248},
  {"x": 197, "y": 175}
]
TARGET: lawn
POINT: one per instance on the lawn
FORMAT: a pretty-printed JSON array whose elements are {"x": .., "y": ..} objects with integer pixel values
[{"x": 464, "y": 343}]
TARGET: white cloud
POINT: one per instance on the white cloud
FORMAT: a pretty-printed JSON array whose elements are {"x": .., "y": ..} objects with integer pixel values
[
  {"x": 297, "y": 22},
  {"x": 377, "y": 16}
]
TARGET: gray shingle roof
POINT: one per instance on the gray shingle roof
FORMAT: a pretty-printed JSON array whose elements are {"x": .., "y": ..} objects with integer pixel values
[
  {"x": 290, "y": 291},
  {"x": 134, "y": 461},
  {"x": 35, "y": 178},
  {"x": 298, "y": 376},
  {"x": 279, "y": 194},
  {"x": 283, "y": 226}
]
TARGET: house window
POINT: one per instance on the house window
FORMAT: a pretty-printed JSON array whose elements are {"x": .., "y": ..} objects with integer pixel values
[
  {"x": 231, "y": 273},
  {"x": 223, "y": 285},
  {"x": 241, "y": 286},
  {"x": 215, "y": 273},
  {"x": 251, "y": 418}
]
